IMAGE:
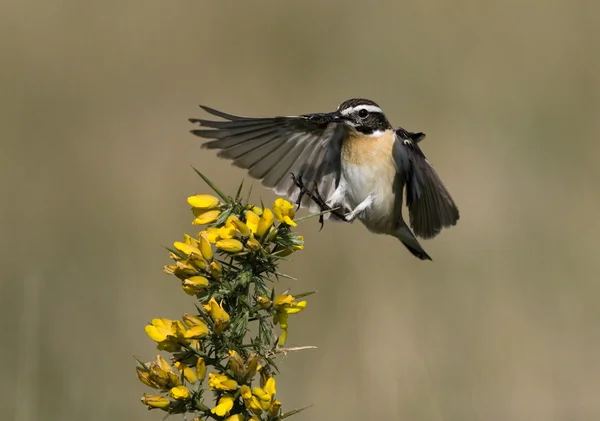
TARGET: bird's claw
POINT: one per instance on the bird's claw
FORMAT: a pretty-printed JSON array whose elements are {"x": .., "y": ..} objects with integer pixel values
[{"x": 317, "y": 198}]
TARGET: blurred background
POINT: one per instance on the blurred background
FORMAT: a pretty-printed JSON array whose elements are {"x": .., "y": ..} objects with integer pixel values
[{"x": 96, "y": 166}]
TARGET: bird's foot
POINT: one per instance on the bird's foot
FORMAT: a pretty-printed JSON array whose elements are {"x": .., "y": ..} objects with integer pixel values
[
  {"x": 362, "y": 207},
  {"x": 317, "y": 198}
]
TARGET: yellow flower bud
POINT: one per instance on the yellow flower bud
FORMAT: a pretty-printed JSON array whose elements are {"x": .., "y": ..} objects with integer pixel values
[
  {"x": 205, "y": 247},
  {"x": 264, "y": 301},
  {"x": 169, "y": 269},
  {"x": 230, "y": 245},
  {"x": 194, "y": 285},
  {"x": 252, "y": 364},
  {"x": 198, "y": 282},
  {"x": 188, "y": 373},
  {"x": 236, "y": 364},
  {"x": 274, "y": 408},
  {"x": 236, "y": 417},
  {"x": 179, "y": 393},
  {"x": 203, "y": 201},
  {"x": 204, "y": 217},
  {"x": 199, "y": 263},
  {"x": 162, "y": 363},
  {"x": 144, "y": 377},
  {"x": 215, "y": 270},
  {"x": 201, "y": 369},
  {"x": 184, "y": 270},
  {"x": 153, "y": 401},
  {"x": 216, "y": 311},
  {"x": 265, "y": 223},
  {"x": 253, "y": 243},
  {"x": 192, "y": 321}
]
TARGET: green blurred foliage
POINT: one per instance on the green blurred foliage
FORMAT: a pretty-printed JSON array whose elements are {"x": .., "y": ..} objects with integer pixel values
[{"x": 95, "y": 160}]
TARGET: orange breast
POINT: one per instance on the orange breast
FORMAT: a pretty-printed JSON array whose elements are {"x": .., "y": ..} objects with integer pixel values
[{"x": 360, "y": 149}]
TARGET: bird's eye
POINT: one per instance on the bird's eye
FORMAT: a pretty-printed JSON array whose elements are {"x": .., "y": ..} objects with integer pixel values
[{"x": 363, "y": 113}]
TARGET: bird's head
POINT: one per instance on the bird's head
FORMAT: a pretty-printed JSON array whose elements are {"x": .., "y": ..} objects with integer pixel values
[{"x": 363, "y": 115}]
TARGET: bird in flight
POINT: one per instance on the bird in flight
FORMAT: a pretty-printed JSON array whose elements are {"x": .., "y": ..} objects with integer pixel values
[{"x": 358, "y": 164}]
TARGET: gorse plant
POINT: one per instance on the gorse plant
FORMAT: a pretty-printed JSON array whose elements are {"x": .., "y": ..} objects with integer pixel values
[{"x": 222, "y": 357}]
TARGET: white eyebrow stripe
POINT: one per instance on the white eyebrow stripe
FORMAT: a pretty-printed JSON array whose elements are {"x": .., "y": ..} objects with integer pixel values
[{"x": 369, "y": 108}]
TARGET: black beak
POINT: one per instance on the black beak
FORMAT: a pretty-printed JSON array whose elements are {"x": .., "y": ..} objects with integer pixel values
[{"x": 339, "y": 118}]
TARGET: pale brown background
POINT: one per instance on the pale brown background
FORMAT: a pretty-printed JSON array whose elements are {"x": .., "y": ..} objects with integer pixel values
[{"x": 95, "y": 160}]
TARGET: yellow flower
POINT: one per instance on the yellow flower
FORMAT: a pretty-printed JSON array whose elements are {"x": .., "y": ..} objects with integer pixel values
[
  {"x": 250, "y": 401},
  {"x": 179, "y": 393},
  {"x": 265, "y": 394},
  {"x": 212, "y": 234},
  {"x": 227, "y": 231},
  {"x": 188, "y": 373},
  {"x": 284, "y": 211},
  {"x": 196, "y": 332},
  {"x": 236, "y": 417},
  {"x": 153, "y": 401},
  {"x": 284, "y": 306},
  {"x": 181, "y": 270},
  {"x": 204, "y": 216},
  {"x": 201, "y": 369},
  {"x": 230, "y": 245},
  {"x": 241, "y": 227},
  {"x": 224, "y": 406},
  {"x": 265, "y": 223},
  {"x": 216, "y": 311},
  {"x": 187, "y": 249},
  {"x": 221, "y": 382},
  {"x": 203, "y": 201},
  {"x": 285, "y": 303},
  {"x": 252, "y": 221},
  {"x": 169, "y": 334},
  {"x": 161, "y": 329},
  {"x": 158, "y": 374}
]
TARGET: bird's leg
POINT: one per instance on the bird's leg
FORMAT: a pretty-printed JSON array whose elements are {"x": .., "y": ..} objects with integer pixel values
[
  {"x": 316, "y": 197},
  {"x": 298, "y": 182},
  {"x": 361, "y": 207}
]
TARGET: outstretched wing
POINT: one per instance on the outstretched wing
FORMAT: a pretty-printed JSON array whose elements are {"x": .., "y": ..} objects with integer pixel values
[
  {"x": 430, "y": 206},
  {"x": 272, "y": 148}
]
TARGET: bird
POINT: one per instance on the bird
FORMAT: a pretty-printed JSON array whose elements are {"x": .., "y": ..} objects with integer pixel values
[{"x": 361, "y": 167}]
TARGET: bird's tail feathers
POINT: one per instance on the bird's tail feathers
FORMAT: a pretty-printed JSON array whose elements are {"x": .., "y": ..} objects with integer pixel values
[{"x": 407, "y": 238}]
